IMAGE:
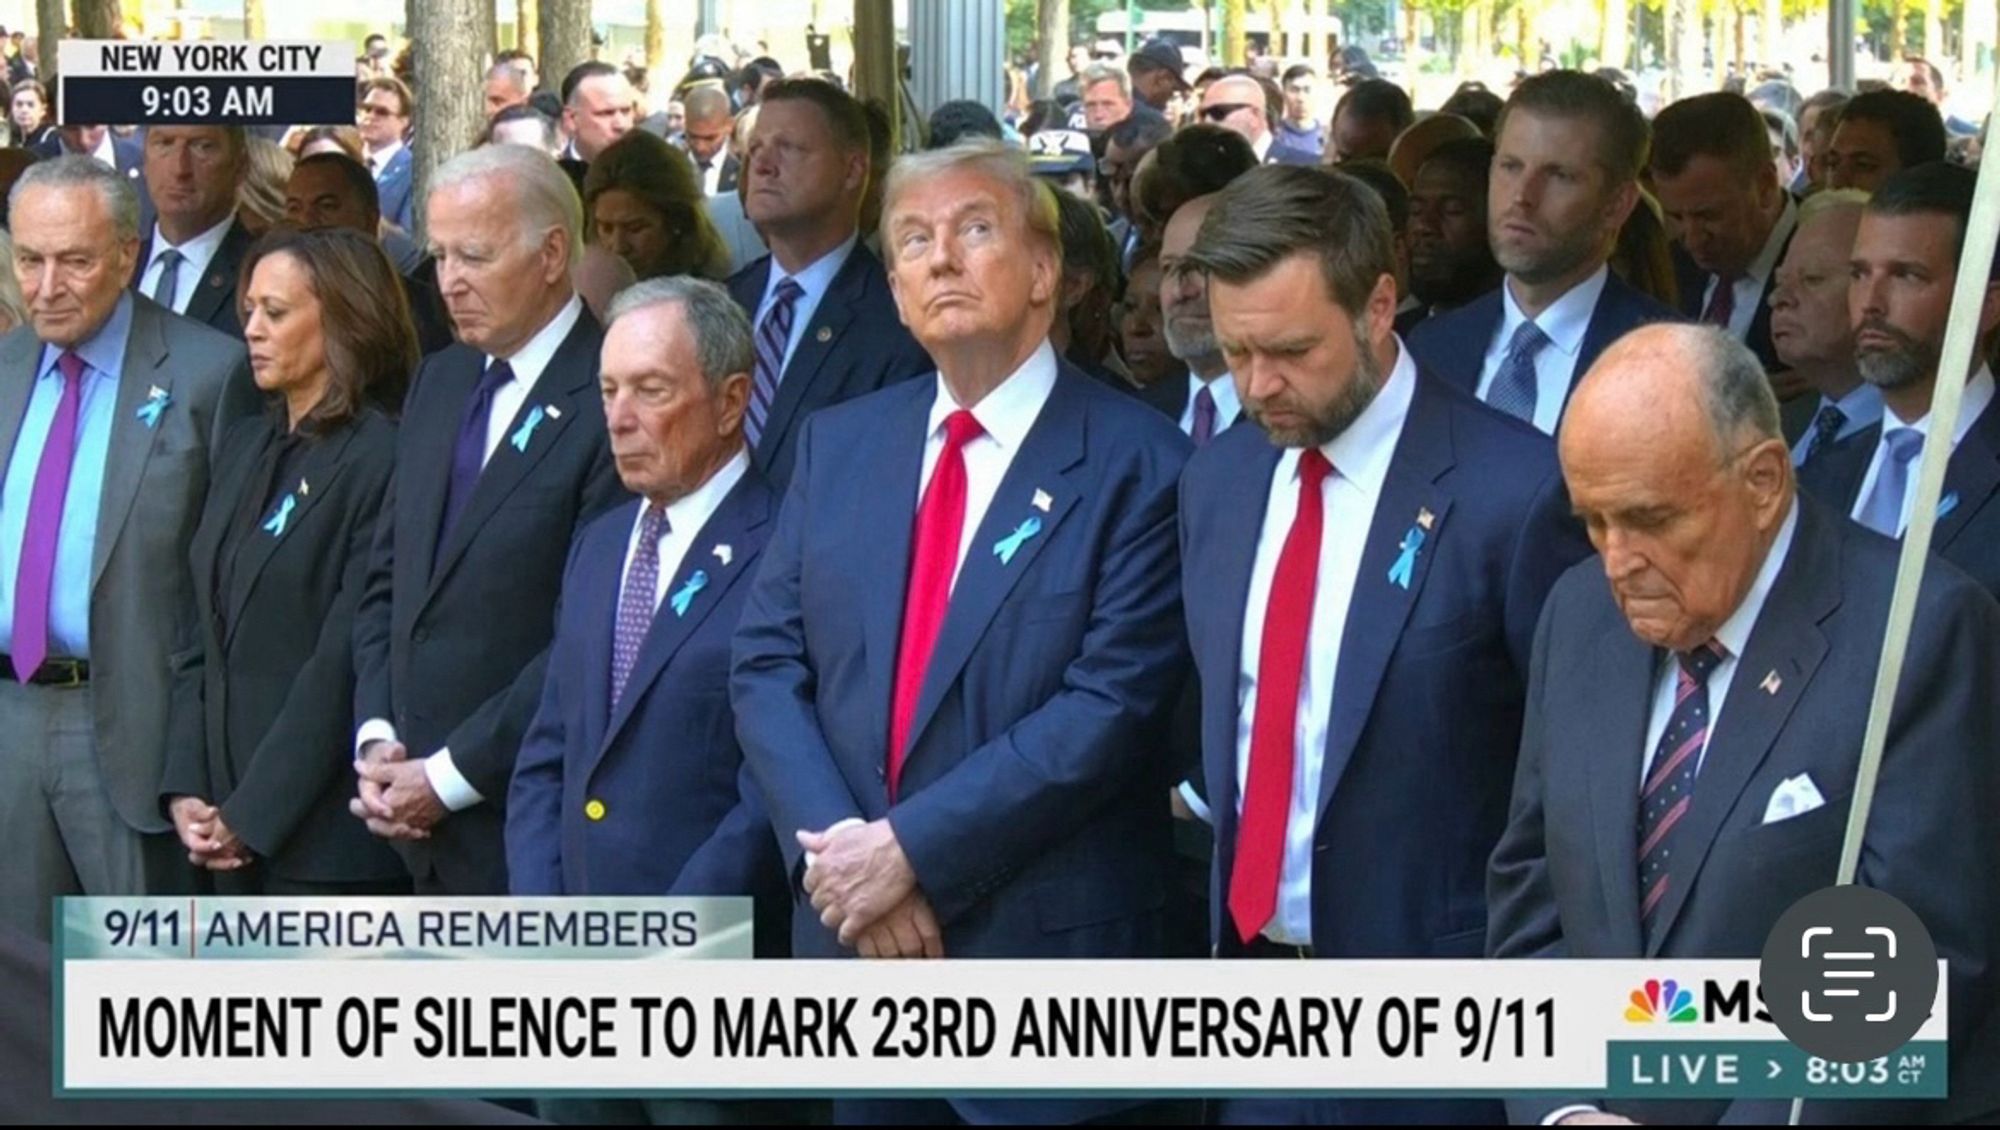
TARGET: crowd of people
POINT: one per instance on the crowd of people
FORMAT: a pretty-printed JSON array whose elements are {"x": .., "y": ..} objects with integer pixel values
[{"x": 1161, "y": 525}]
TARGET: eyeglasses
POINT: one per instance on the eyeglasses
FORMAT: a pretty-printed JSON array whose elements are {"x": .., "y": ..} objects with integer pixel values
[
  {"x": 378, "y": 111},
  {"x": 1104, "y": 55},
  {"x": 1223, "y": 110}
]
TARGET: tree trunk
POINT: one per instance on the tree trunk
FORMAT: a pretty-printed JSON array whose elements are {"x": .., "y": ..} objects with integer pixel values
[
  {"x": 1053, "y": 45},
  {"x": 449, "y": 65},
  {"x": 253, "y": 19},
  {"x": 51, "y": 25},
  {"x": 565, "y": 39},
  {"x": 1235, "y": 40},
  {"x": 1899, "y": 23},
  {"x": 1683, "y": 32},
  {"x": 656, "y": 53},
  {"x": 1613, "y": 33},
  {"x": 1742, "y": 44},
  {"x": 527, "y": 26},
  {"x": 488, "y": 38},
  {"x": 98, "y": 19}
]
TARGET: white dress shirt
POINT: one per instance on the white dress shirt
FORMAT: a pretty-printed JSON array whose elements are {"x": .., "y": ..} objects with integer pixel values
[
  {"x": 1756, "y": 279},
  {"x": 1007, "y": 413},
  {"x": 1360, "y": 457},
  {"x": 1978, "y": 395},
  {"x": 196, "y": 255},
  {"x": 685, "y": 518},
  {"x": 528, "y": 362},
  {"x": 378, "y": 161},
  {"x": 1863, "y": 408},
  {"x": 711, "y": 177},
  {"x": 813, "y": 282},
  {"x": 1564, "y": 323},
  {"x": 1227, "y": 405}
]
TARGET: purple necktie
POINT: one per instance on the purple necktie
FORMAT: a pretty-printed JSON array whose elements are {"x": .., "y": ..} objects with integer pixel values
[
  {"x": 635, "y": 603},
  {"x": 45, "y": 509},
  {"x": 772, "y": 337},
  {"x": 468, "y": 455},
  {"x": 1204, "y": 417}
]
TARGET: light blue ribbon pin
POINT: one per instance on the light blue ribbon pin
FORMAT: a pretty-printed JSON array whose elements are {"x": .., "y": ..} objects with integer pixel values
[
  {"x": 1406, "y": 565},
  {"x": 527, "y": 429},
  {"x": 685, "y": 596},
  {"x": 1947, "y": 504},
  {"x": 276, "y": 523},
  {"x": 154, "y": 406},
  {"x": 1006, "y": 547}
]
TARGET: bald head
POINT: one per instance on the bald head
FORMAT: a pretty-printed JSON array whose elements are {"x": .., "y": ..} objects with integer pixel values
[
  {"x": 1673, "y": 459},
  {"x": 1238, "y": 102}
]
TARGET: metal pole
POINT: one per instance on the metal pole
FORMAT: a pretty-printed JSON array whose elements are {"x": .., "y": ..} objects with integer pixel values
[
  {"x": 1840, "y": 44},
  {"x": 875, "y": 72}
]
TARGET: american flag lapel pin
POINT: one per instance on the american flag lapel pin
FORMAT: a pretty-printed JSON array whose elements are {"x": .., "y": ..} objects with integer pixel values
[{"x": 1771, "y": 683}]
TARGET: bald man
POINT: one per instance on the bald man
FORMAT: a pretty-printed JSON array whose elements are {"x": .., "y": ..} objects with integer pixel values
[
  {"x": 709, "y": 122},
  {"x": 1241, "y": 103},
  {"x": 1697, "y": 700}
]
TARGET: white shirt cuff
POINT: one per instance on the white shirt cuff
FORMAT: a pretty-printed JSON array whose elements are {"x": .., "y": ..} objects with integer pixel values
[
  {"x": 1194, "y": 802},
  {"x": 448, "y": 783},
  {"x": 374, "y": 730},
  {"x": 1561, "y": 1113},
  {"x": 850, "y": 822}
]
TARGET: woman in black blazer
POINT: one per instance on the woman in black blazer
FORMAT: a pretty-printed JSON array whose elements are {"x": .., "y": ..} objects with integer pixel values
[{"x": 260, "y": 762}]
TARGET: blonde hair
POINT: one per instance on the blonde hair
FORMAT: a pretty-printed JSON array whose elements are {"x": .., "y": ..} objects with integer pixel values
[{"x": 262, "y": 192}]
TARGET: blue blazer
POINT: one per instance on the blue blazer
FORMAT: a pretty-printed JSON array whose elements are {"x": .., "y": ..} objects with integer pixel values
[
  {"x": 397, "y": 187},
  {"x": 1453, "y": 344},
  {"x": 663, "y": 762},
  {"x": 1564, "y": 880},
  {"x": 855, "y": 345},
  {"x": 1968, "y": 526}
]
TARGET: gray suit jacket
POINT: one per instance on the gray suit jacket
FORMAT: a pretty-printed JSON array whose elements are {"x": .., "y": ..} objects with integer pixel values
[{"x": 155, "y": 480}]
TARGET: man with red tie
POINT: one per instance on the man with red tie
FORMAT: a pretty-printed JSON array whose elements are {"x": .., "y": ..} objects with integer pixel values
[
  {"x": 951, "y": 674},
  {"x": 1363, "y": 575}
]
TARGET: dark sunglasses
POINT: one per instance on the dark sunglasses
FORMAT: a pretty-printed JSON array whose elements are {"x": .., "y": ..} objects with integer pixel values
[{"x": 1222, "y": 110}]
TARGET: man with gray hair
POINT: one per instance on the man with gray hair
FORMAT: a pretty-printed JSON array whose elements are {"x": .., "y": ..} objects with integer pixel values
[
  {"x": 1694, "y": 717},
  {"x": 964, "y": 637},
  {"x": 1810, "y": 328},
  {"x": 501, "y": 457},
  {"x": 110, "y": 410},
  {"x": 508, "y": 84},
  {"x": 1377, "y": 521},
  {"x": 628, "y": 780}
]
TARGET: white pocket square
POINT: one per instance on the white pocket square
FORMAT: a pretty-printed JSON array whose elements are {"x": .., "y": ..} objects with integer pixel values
[{"x": 1792, "y": 799}]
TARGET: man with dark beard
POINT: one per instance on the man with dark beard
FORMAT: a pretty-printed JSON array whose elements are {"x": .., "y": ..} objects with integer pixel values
[
  {"x": 1904, "y": 268},
  {"x": 1451, "y": 263},
  {"x": 1362, "y": 628}
]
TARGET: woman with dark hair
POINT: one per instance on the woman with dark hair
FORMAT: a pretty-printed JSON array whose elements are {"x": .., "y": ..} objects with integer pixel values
[
  {"x": 642, "y": 200},
  {"x": 1643, "y": 259},
  {"x": 1083, "y": 333},
  {"x": 258, "y": 773},
  {"x": 28, "y": 122}
]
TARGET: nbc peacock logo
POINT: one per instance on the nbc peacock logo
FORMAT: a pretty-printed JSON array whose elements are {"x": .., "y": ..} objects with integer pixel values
[{"x": 1661, "y": 1002}]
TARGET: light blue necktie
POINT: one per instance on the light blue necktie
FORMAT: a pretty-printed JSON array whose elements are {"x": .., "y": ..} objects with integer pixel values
[
  {"x": 1514, "y": 388},
  {"x": 1883, "y": 512}
]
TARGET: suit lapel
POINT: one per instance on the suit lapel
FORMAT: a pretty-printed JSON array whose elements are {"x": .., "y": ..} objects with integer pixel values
[
  {"x": 823, "y": 335},
  {"x": 1380, "y": 606},
  {"x": 215, "y": 286},
  {"x": 1053, "y": 445},
  {"x": 423, "y": 470},
  {"x": 602, "y": 585},
  {"x": 521, "y": 450},
  {"x": 1239, "y": 525},
  {"x": 1973, "y": 474},
  {"x": 1842, "y": 467},
  {"x": 747, "y": 507},
  {"x": 318, "y": 471},
  {"x": 1465, "y": 353},
  {"x": 20, "y": 362},
  {"x": 131, "y": 438},
  {"x": 886, "y": 475},
  {"x": 1627, "y": 668},
  {"x": 1785, "y": 649}
]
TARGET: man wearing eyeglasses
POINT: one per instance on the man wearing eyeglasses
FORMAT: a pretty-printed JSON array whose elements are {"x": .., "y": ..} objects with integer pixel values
[
  {"x": 385, "y": 115},
  {"x": 1241, "y": 104}
]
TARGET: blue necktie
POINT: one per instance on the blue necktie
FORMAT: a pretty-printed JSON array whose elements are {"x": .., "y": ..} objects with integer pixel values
[
  {"x": 1514, "y": 388},
  {"x": 635, "y": 603},
  {"x": 772, "y": 337},
  {"x": 468, "y": 455},
  {"x": 1883, "y": 511},
  {"x": 1826, "y": 429},
  {"x": 1668, "y": 791}
]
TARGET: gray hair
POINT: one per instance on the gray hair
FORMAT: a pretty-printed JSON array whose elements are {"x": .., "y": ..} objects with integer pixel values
[
  {"x": 1741, "y": 406},
  {"x": 544, "y": 193},
  {"x": 514, "y": 70},
  {"x": 722, "y": 341},
  {"x": 1832, "y": 200},
  {"x": 121, "y": 200},
  {"x": 1104, "y": 72},
  {"x": 997, "y": 161}
]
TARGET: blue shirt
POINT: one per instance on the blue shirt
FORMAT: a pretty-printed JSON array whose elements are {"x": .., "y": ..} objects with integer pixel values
[
  {"x": 76, "y": 541},
  {"x": 813, "y": 283},
  {"x": 1863, "y": 406}
]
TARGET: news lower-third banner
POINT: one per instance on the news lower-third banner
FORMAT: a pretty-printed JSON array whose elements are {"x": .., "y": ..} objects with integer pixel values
[
  {"x": 205, "y": 82},
  {"x": 490, "y": 997}
]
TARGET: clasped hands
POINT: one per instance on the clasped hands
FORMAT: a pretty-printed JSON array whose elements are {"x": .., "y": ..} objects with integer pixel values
[
  {"x": 394, "y": 794},
  {"x": 863, "y": 886},
  {"x": 210, "y": 842}
]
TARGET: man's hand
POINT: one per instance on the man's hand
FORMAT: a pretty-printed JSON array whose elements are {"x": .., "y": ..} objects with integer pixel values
[
  {"x": 394, "y": 794},
  {"x": 909, "y": 930},
  {"x": 208, "y": 841},
  {"x": 860, "y": 875}
]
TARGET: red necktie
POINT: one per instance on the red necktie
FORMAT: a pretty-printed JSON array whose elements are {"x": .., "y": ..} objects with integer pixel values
[
  {"x": 933, "y": 560},
  {"x": 1721, "y": 304},
  {"x": 1267, "y": 795}
]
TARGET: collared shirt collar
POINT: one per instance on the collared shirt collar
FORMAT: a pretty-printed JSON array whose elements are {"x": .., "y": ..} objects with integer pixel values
[
  {"x": 103, "y": 351},
  {"x": 1362, "y": 453},
  {"x": 817, "y": 275},
  {"x": 1978, "y": 394},
  {"x": 1228, "y": 405},
  {"x": 1766, "y": 261},
  {"x": 529, "y": 360},
  {"x": 379, "y": 160},
  {"x": 199, "y": 251},
  {"x": 1565, "y": 321},
  {"x": 1734, "y": 634},
  {"x": 687, "y": 514},
  {"x": 1010, "y": 410}
]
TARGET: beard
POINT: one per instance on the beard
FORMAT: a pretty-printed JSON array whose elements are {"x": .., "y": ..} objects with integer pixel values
[
  {"x": 1323, "y": 424},
  {"x": 1196, "y": 347},
  {"x": 1566, "y": 253},
  {"x": 1908, "y": 362}
]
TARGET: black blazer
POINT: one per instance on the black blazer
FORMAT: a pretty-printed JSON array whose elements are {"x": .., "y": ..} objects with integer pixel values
[
  {"x": 214, "y": 298},
  {"x": 262, "y": 695},
  {"x": 856, "y": 344},
  {"x": 454, "y": 654}
]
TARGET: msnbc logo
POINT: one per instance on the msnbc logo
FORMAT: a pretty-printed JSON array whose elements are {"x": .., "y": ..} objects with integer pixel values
[{"x": 1661, "y": 1001}]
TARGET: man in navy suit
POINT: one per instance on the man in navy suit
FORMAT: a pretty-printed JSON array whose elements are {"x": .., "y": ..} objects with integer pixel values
[
  {"x": 1362, "y": 577},
  {"x": 1905, "y": 264},
  {"x": 385, "y": 121},
  {"x": 1697, "y": 703},
  {"x": 121, "y": 153},
  {"x": 1566, "y": 164},
  {"x": 189, "y": 260},
  {"x": 952, "y": 669},
  {"x": 825, "y": 324}
]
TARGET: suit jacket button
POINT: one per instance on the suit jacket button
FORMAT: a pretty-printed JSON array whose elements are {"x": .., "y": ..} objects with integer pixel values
[{"x": 594, "y": 810}]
